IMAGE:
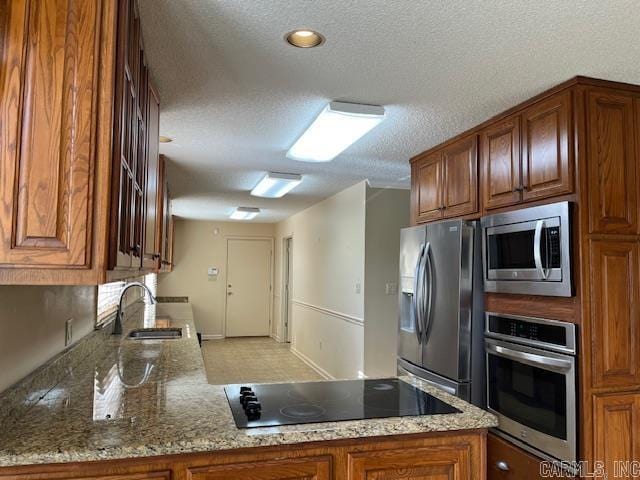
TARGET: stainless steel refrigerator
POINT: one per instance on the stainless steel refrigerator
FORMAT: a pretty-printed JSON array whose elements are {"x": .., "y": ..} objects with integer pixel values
[{"x": 441, "y": 323}]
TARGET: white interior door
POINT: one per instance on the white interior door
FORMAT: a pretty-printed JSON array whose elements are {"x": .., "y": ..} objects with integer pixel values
[{"x": 248, "y": 287}]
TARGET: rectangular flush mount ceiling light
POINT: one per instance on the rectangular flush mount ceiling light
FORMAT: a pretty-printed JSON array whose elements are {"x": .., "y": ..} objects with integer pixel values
[
  {"x": 276, "y": 185},
  {"x": 244, "y": 213},
  {"x": 338, "y": 126}
]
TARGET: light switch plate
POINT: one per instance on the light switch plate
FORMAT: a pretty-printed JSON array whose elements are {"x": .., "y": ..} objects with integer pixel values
[{"x": 391, "y": 288}]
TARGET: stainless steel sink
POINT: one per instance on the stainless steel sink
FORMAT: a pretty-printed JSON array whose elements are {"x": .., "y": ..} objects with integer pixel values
[{"x": 155, "y": 333}]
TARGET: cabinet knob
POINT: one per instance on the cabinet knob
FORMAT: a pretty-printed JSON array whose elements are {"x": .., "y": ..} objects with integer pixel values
[{"x": 502, "y": 465}]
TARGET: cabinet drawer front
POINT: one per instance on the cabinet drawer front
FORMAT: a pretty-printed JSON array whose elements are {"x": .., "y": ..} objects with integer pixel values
[
  {"x": 612, "y": 162},
  {"x": 47, "y": 144},
  {"x": 505, "y": 461},
  {"x": 436, "y": 462},
  {"x": 310, "y": 468},
  {"x": 614, "y": 313},
  {"x": 500, "y": 150},
  {"x": 547, "y": 164}
]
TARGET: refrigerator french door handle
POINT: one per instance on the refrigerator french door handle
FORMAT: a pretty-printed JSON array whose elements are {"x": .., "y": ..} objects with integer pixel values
[
  {"x": 537, "y": 250},
  {"x": 415, "y": 299},
  {"x": 429, "y": 300}
]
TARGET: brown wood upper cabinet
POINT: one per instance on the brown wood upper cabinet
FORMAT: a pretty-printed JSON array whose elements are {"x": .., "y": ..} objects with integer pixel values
[
  {"x": 445, "y": 182},
  {"x": 154, "y": 190},
  {"x": 528, "y": 155},
  {"x": 613, "y": 183},
  {"x": 500, "y": 159},
  {"x": 73, "y": 143},
  {"x": 48, "y": 130},
  {"x": 547, "y": 169}
]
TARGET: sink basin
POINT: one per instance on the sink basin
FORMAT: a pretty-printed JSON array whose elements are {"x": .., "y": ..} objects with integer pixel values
[{"x": 155, "y": 333}]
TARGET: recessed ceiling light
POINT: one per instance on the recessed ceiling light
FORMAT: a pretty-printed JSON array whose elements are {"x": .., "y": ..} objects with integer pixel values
[
  {"x": 164, "y": 139},
  {"x": 338, "y": 126},
  {"x": 304, "y": 38},
  {"x": 244, "y": 213},
  {"x": 276, "y": 185}
]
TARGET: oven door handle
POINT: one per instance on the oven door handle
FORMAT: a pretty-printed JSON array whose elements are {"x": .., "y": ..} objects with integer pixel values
[
  {"x": 537, "y": 249},
  {"x": 547, "y": 363}
]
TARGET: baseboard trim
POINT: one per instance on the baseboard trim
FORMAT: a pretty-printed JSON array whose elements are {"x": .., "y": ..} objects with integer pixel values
[
  {"x": 321, "y": 371},
  {"x": 212, "y": 337},
  {"x": 333, "y": 313},
  {"x": 276, "y": 337}
]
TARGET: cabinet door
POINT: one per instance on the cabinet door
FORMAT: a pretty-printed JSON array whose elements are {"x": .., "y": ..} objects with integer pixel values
[
  {"x": 427, "y": 188},
  {"x": 314, "y": 468},
  {"x": 47, "y": 135},
  {"x": 460, "y": 162},
  {"x": 447, "y": 462},
  {"x": 547, "y": 166},
  {"x": 616, "y": 436},
  {"x": 614, "y": 313},
  {"x": 153, "y": 190},
  {"x": 501, "y": 176},
  {"x": 612, "y": 158}
]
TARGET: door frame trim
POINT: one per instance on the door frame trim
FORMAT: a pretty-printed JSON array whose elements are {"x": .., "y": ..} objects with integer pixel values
[
  {"x": 227, "y": 238},
  {"x": 284, "y": 299}
]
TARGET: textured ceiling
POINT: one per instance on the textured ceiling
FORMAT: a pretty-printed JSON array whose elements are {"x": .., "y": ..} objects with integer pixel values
[{"x": 235, "y": 96}]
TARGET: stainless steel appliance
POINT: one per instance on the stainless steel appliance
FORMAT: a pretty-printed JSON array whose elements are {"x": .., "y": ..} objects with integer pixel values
[
  {"x": 269, "y": 405},
  {"x": 528, "y": 251},
  {"x": 531, "y": 382},
  {"x": 441, "y": 324}
]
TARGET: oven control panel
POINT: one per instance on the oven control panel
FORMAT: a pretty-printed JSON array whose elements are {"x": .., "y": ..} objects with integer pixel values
[{"x": 551, "y": 334}]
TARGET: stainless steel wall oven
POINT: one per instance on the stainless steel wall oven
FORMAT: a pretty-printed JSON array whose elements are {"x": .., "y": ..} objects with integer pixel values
[{"x": 531, "y": 382}]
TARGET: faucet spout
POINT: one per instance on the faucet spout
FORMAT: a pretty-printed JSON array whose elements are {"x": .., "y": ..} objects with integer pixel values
[{"x": 117, "y": 324}]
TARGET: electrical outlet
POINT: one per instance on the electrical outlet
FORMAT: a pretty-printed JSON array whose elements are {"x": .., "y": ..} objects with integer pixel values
[
  {"x": 68, "y": 332},
  {"x": 358, "y": 287},
  {"x": 320, "y": 345},
  {"x": 391, "y": 288}
]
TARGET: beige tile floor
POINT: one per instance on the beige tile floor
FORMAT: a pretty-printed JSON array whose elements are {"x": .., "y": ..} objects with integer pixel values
[{"x": 253, "y": 360}]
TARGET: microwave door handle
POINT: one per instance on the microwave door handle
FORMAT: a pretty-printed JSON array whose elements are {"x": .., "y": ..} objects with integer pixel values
[
  {"x": 537, "y": 249},
  {"x": 547, "y": 363},
  {"x": 417, "y": 284}
]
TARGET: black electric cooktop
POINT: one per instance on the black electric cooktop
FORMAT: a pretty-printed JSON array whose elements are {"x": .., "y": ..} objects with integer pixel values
[{"x": 313, "y": 402}]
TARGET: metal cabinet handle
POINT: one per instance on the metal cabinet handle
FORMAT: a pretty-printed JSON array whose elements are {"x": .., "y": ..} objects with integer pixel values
[{"x": 502, "y": 465}]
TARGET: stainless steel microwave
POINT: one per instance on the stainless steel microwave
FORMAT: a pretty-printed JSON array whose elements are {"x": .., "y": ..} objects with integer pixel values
[{"x": 528, "y": 251}]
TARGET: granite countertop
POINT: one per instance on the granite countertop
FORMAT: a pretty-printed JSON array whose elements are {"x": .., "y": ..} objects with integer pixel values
[{"x": 146, "y": 398}]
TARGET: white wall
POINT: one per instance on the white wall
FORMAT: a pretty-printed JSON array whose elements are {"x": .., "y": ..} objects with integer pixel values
[
  {"x": 387, "y": 212},
  {"x": 196, "y": 248},
  {"x": 32, "y": 325},
  {"x": 328, "y": 263}
]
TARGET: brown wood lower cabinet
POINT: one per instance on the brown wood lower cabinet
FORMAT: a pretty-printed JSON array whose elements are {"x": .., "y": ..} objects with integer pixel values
[
  {"x": 451, "y": 456},
  {"x": 616, "y": 435}
]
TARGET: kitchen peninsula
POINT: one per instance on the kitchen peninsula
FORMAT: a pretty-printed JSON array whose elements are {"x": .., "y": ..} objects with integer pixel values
[{"x": 143, "y": 409}]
